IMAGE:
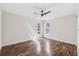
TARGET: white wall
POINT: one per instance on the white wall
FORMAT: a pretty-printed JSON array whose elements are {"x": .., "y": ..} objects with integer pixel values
[
  {"x": 15, "y": 29},
  {"x": 0, "y": 28},
  {"x": 64, "y": 29},
  {"x": 78, "y": 33}
]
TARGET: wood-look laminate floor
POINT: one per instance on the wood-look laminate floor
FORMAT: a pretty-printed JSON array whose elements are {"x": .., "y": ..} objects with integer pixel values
[{"x": 28, "y": 48}]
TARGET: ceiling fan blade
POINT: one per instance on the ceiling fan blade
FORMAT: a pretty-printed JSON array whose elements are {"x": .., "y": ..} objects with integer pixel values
[
  {"x": 35, "y": 13},
  {"x": 46, "y": 12}
]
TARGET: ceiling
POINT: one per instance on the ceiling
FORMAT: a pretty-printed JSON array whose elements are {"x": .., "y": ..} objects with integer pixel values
[{"x": 28, "y": 9}]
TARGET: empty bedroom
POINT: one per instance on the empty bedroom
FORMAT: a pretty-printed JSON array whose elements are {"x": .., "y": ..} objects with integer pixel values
[{"x": 39, "y": 29}]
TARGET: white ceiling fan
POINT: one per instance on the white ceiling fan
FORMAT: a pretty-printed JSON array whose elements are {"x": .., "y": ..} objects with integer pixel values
[{"x": 43, "y": 11}]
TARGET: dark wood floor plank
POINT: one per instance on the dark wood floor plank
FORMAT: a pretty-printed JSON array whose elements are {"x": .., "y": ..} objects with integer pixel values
[{"x": 27, "y": 48}]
